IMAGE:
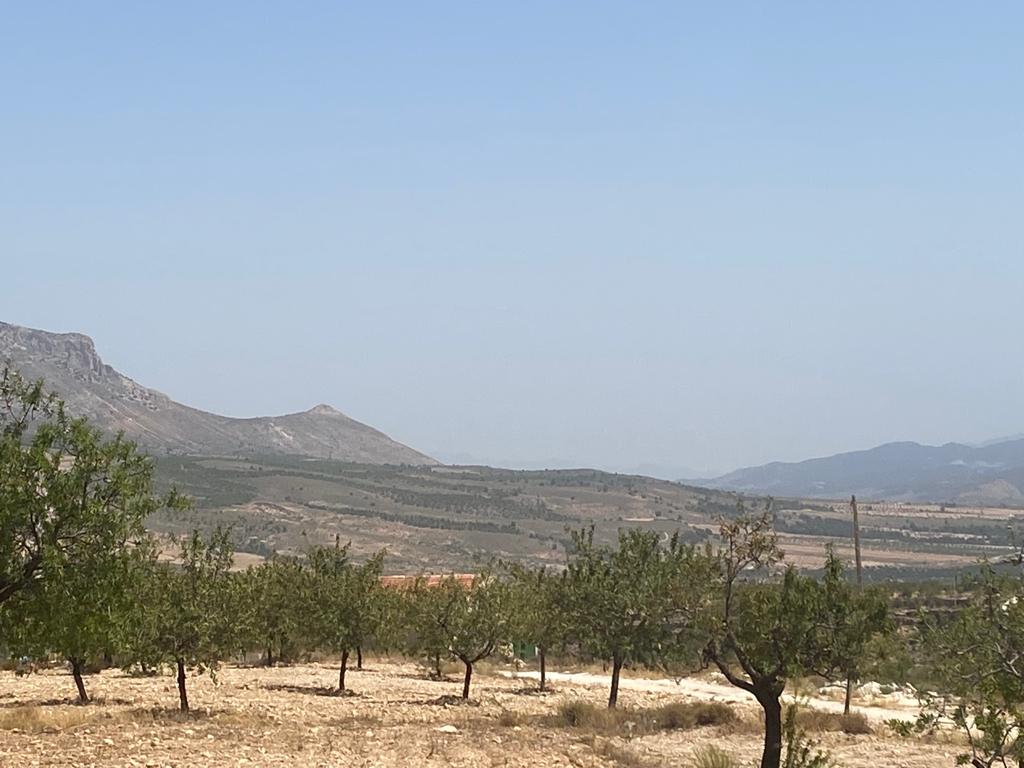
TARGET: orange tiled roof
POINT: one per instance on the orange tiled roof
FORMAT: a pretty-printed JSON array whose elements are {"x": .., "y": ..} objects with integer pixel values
[{"x": 430, "y": 579}]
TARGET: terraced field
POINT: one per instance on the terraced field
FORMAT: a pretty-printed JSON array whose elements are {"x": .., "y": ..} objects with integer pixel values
[{"x": 441, "y": 518}]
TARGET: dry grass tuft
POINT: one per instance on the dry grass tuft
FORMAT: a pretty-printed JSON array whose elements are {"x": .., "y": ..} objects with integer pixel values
[
  {"x": 509, "y": 718},
  {"x": 582, "y": 714},
  {"x": 30, "y": 719},
  {"x": 710, "y": 756},
  {"x": 620, "y": 754},
  {"x": 668, "y": 717},
  {"x": 855, "y": 723},
  {"x": 685, "y": 715},
  {"x": 819, "y": 721}
]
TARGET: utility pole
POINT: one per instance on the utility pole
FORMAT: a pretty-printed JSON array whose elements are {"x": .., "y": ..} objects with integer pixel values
[
  {"x": 860, "y": 586},
  {"x": 856, "y": 541}
]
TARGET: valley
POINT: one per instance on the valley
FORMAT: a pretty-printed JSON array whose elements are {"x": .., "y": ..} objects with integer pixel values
[{"x": 455, "y": 518}]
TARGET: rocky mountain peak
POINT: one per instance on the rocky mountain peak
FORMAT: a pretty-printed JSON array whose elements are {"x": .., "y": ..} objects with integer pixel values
[
  {"x": 74, "y": 351},
  {"x": 70, "y": 365},
  {"x": 324, "y": 410}
]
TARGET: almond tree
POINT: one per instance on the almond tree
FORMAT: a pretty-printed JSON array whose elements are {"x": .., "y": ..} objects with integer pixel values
[
  {"x": 420, "y": 609},
  {"x": 343, "y": 601},
  {"x": 278, "y": 607},
  {"x": 473, "y": 619},
  {"x": 65, "y": 492},
  {"x": 72, "y": 511},
  {"x": 853, "y": 619},
  {"x": 538, "y": 599},
  {"x": 631, "y": 603},
  {"x": 186, "y": 613},
  {"x": 978, "y": 659},
  {"x": 769, "y": 631},
  {"x": 80, "y": 613}
]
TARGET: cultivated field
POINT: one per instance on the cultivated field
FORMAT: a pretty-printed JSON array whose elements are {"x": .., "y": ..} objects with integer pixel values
[
  {"x": 453, "y": 518},
  {"x": 397, "y": 717}
]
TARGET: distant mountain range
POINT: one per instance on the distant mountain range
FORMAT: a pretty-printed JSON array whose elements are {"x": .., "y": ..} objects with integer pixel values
[
  {"x": 990, "y": 473},
  {"x": 70, "y": 365}
]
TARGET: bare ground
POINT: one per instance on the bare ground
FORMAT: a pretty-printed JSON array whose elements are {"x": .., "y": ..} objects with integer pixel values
[{"x": 286, "y": 717}]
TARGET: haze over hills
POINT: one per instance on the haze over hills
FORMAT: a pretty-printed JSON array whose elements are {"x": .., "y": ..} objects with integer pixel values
[
  {"x": 70, "y": 365},
  {"x": 283, "y": 483},
  {"x": 989, "y": 473}
]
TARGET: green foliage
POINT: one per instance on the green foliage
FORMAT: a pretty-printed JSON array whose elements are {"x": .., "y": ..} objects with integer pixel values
[
  {"x": 344, "y": 610},
  {"x": 454, "y": 620},
  {"x": 72, "y": 512},
  {"x": 185, "y": 614},
  {"x": 422, "y": 610},
  {"x": 851, "y": 619},
  {"x": 634, "y": 602},
  {"x": 801, "y": 752},
  {"x": 473, "y": 619},
  {"x": 537, "y": 599},
  {"x": 774, "y": 630},
  {"x": 277, "y": 595},
  {"x": 926, "y": 722},
  {"x": 977, "y": 660},
  {"x": 65, "y": 493}
]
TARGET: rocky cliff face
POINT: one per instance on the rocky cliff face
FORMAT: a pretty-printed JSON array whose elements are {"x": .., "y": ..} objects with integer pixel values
[{"x": 70, "y": 365}]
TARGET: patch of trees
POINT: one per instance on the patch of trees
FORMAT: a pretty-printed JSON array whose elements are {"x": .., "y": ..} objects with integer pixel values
[
  {"x": 421, "y": 521},
  {"x": 80, "y": 579}
]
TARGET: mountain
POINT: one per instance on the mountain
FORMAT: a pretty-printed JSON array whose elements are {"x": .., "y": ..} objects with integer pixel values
[
  {"x": 70, "y": 365},
  {"x": 991, "y": 473}
]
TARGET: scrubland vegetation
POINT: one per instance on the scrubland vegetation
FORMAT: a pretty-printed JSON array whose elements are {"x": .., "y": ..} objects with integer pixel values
[{"x": 81, "y": 580}]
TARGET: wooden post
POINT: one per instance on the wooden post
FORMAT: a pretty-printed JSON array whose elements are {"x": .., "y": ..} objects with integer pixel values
[
  {"x": 860, "y": 586},
  {"x": 856, "y": 541}
]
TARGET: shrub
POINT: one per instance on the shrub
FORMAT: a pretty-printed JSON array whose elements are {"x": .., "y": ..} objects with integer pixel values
[
  {"x": 854, "y": 723},
  {"x": 819, "y": 721},
  {"x": 801, "y": 752},
  {"x": 685, "y": 715},
  {"x": 581, "y": 714},
  {"x": 669, "y": 717},
  {"x": 508, "y": 718},
  {"x": 710, "y": 756}
]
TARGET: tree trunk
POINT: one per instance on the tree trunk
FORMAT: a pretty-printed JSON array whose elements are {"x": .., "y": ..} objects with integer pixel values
[
  {"x": 465, "y": 682},
  {"x": 76, "y": 672},
  {"x": 341, "y": 672},
  {"x": 270, "y": 655},
  {"x": 437, "y": 665},
  {"x": 849, "y": 693},
  {"x": 771, "y": 757},
  {"x": 543, "y": 669},
  {"x": 359, "y": 657},
  {"x": 182, "y": 693},
  {"x": 613, "y": 696}
]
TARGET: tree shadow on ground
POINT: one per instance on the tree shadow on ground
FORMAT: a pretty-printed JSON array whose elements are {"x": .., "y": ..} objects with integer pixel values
[
  {"x": 448, "y": 700},
  {"x": 67, "y": 701},
  {"x": 311, "y": 690},
  {"x": 533, "y": 690}
]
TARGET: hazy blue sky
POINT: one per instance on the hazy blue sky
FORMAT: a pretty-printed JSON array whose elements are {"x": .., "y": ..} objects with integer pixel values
[{"x": 675, "y": 234}]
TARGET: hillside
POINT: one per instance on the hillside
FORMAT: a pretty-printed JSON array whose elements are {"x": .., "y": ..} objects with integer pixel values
[
  {"x": 991, "y": 474},
  {"x": 454, "y": 518},
  {"x": 429, "y": 518},
  {"x": 70, "y": 365}
]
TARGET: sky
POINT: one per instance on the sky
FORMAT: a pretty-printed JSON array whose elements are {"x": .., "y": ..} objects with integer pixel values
[{"x": 673, "y": 237}]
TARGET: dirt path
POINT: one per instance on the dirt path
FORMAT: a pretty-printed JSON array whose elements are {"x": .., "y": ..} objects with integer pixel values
[{"x": 889, "y": 708}]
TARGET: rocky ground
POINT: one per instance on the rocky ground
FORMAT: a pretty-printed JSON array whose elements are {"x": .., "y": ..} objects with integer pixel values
[{"x": 396, "y": 717}]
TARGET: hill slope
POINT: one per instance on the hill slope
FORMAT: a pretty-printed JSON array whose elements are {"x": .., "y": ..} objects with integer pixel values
[
  {"x": 984, "y": 474},
  {"x": 70, "y": 365}
]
